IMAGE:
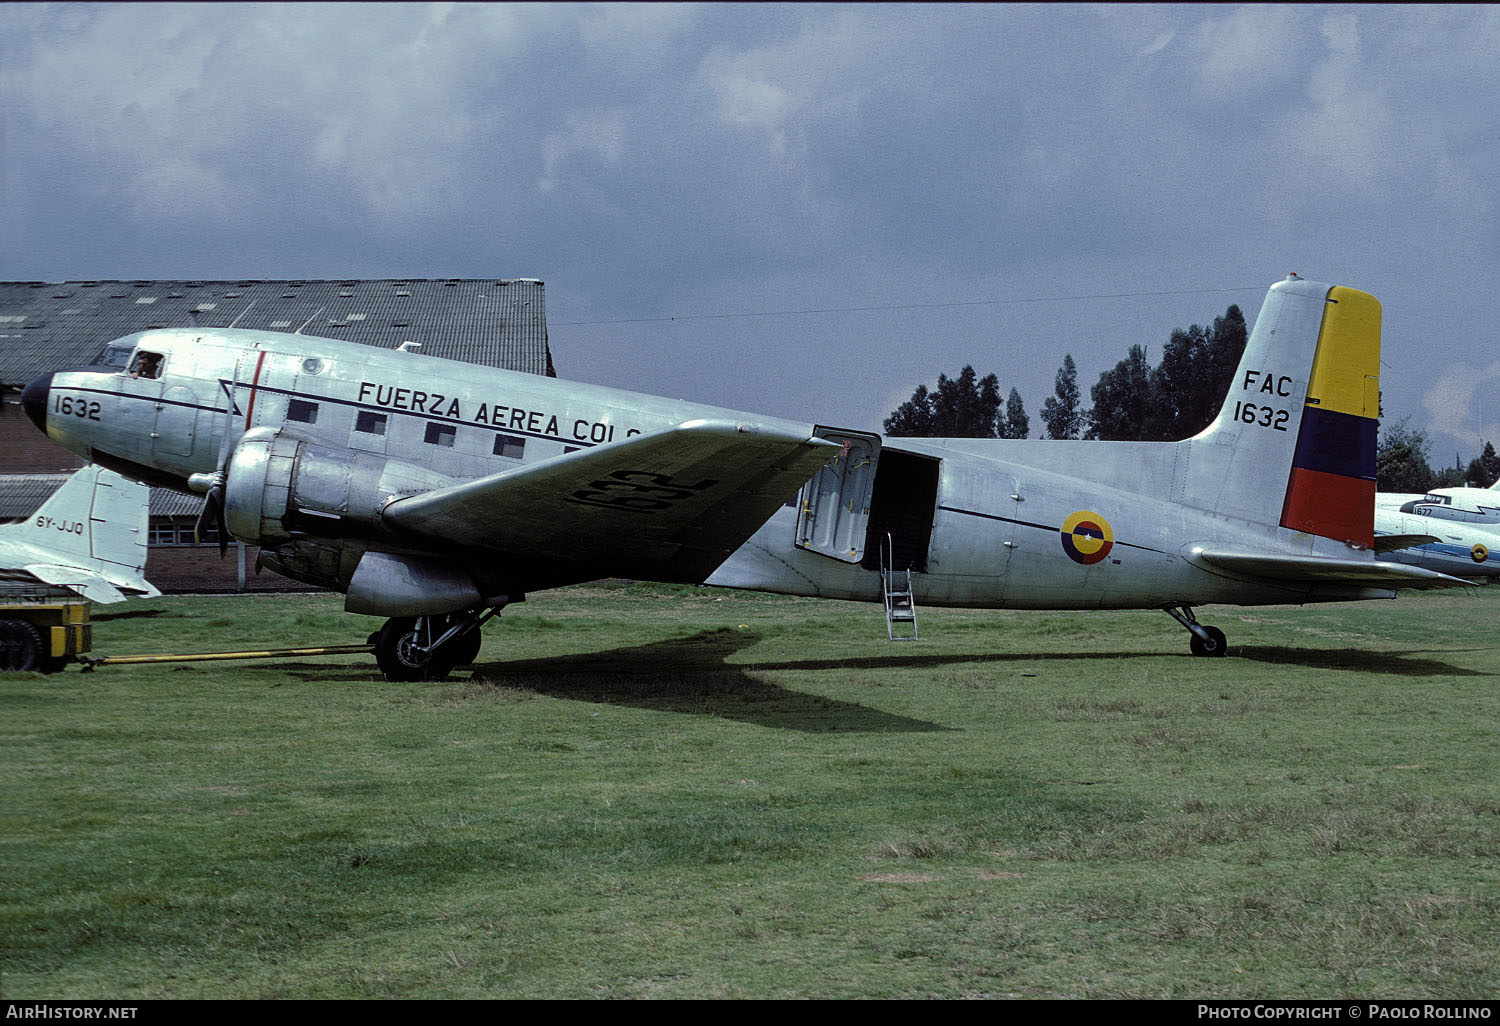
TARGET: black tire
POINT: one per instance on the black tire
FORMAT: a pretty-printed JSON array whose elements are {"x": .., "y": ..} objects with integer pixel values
[
  {"x": 463, "y": 650},
  {"x": 1214, "y": 645},
  {"x": 396, "y": 655},
  {"x": 20, "y": 646}
]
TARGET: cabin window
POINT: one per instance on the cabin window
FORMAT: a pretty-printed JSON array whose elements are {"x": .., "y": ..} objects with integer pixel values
[
  {"x": 113, "y": 356},
  {"x": 510, "y": 445},
  {"x": 146, "y": 365},
  {"x": 370, "y": 423},
  {"x": 302, "y": 411},
  {"x": 441, "y": 434}
]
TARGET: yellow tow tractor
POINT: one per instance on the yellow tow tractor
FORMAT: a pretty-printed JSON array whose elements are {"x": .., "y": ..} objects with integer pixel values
[
  {"x": 43, "y": 634},
  {"x": 47, "y": 635}
]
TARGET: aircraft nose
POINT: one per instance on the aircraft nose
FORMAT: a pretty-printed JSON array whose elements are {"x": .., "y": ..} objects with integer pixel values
[{"x": 34, "y": 401}]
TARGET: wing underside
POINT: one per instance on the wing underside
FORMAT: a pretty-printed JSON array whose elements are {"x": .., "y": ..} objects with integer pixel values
[{"x": 671, "y": 505}]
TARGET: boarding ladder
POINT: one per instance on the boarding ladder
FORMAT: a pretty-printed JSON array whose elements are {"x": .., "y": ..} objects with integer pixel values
[{"x": 899, "y": 606}]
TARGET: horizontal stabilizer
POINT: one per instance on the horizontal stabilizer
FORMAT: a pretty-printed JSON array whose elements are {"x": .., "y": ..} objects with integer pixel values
[
  {"x": 670, "y": 505},
  {"x": 1322, "y": 570},
  {"x": 87, "y": 583}
]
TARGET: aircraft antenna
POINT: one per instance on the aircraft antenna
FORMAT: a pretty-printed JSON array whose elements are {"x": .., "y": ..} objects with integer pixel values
[
  {"x": 242, "y": 313},
  {"x": 309, "y": 320}
]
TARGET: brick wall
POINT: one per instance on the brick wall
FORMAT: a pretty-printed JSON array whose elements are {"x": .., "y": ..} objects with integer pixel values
[
  {"x": 25, "y": 450},
  {"x": 190, "y": 568}
]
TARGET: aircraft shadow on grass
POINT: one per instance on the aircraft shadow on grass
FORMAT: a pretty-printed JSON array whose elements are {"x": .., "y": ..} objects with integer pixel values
[
  {"x": 693, "y": 675},
  {"x": 688, "y": 675},
  {"x": 1401, "y": 664},
  {"x": 133, "y": 614},
  {"x": 1312, "y": 658}
]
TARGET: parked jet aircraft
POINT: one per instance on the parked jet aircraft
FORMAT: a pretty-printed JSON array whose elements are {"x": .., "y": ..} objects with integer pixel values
[
  {"x": 1468, "y": 505},
  {"x": 89, "y": 537},
  {"x": 1452, "y": 547},
  {"x": 435, "y": 492}
]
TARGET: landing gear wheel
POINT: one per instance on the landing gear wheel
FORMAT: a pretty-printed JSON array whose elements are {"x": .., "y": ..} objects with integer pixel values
[
  {"x": 20, "y": 646},
  {"x": 401, "y": 655},
  {"x": 1213, "y": 645},
  {"x": 463, "y": 650}
]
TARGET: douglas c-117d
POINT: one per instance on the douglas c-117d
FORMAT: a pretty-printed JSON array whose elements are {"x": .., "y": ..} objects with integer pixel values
[{"x": 434, "y": 492}]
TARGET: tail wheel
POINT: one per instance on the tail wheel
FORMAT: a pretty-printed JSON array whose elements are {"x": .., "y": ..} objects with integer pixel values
[
  {"x": 1213, "y": 645},
  {"x": 20, "y": 646},
  {"x": 401, "y": 651}
]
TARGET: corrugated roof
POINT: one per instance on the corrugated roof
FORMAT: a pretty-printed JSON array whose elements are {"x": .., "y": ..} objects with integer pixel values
[
  {"x": 23, "y": 494},
  {"x": 493, "y": 322}
]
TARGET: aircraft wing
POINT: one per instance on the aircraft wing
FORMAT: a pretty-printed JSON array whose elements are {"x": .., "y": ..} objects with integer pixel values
[
  {"x": 1293, "y": 569},
  {"x": 676, "y": 502},
  {"x": 1392, "y": 542}
]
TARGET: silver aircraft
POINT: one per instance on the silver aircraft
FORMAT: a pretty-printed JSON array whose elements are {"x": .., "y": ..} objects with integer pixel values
[
  {"x": 88, "y": 538},
  {"x": 1466, "y": 505},
  {"x": 435, "y": 492}
]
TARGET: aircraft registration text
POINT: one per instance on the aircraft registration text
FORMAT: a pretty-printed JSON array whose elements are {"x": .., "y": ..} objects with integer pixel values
[{"x": 1259, "y": 414}]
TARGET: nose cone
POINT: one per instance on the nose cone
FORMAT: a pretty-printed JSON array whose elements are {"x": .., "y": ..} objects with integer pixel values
[{"x": 34, "y": 401}]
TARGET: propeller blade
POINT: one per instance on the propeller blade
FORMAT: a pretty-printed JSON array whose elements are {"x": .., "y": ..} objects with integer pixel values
[
  {"x": 224, "y": 444},
  {"x": 219, "y": 523},
  {"x": 212, "y": 514},
  {"x": 213, "y": 501}
]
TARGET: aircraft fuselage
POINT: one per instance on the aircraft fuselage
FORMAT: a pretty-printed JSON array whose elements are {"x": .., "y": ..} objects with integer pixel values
[{"x": 985, "y": 523}]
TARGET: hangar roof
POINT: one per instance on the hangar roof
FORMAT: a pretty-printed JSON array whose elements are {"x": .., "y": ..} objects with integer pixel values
[
  {"x": 23, "y": 494},
  {"x": 494, "y": 322}
]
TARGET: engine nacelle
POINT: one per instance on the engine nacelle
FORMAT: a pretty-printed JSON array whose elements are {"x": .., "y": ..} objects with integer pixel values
[
  {"x": 314, "y": 510},
  {"x": 281, "y": 486}
]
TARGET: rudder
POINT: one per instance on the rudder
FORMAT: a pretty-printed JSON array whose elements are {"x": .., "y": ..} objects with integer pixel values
[{"x": 1330, "y": 490}]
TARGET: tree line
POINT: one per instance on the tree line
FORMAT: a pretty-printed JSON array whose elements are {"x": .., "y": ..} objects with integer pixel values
[
  {"x": 1173, "y": 400},
  {"x": 1136, "y": 400}
]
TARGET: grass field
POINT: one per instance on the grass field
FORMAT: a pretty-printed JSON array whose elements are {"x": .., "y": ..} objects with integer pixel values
[{"x": 646, "y": 791}]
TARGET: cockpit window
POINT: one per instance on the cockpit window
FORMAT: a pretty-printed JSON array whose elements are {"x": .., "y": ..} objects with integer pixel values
[
  {"x": 146, "y": 365},
  {"x": 1441, "y": 500},
  {"x": 112, "y": 356}
]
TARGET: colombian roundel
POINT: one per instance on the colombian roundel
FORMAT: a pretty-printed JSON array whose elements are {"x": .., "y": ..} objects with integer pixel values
[
  {"x": 1086, "y": 537},
  {"x": 1480, "y": 553}
]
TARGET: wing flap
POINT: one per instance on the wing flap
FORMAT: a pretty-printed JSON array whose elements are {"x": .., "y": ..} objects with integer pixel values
[
  {"x": 670, "y": 505},
  {"x": 1321, "y": 570}
]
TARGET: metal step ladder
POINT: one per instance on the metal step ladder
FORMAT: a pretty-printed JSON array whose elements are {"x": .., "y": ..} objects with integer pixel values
[{"x": 900, "y": 608}]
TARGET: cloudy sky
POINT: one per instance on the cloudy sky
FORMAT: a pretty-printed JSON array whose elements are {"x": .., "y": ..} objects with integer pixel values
[{"x": 800, "y": 210}]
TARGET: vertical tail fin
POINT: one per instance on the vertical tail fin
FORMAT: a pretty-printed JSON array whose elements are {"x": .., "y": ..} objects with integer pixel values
[
  {"x": 1294, "y": 444},
  {"x": 91, "y": 535}
]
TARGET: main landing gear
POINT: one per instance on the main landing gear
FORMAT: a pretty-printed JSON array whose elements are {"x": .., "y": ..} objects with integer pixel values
[
  {"x": 428, "y": 647},
  {"x": 1206, "y": 641}
]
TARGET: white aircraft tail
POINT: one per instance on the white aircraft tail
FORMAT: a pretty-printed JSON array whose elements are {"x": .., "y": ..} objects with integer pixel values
[
  {"x": 90, "y": 536},
  {"x": 1294, "y": 444}
]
